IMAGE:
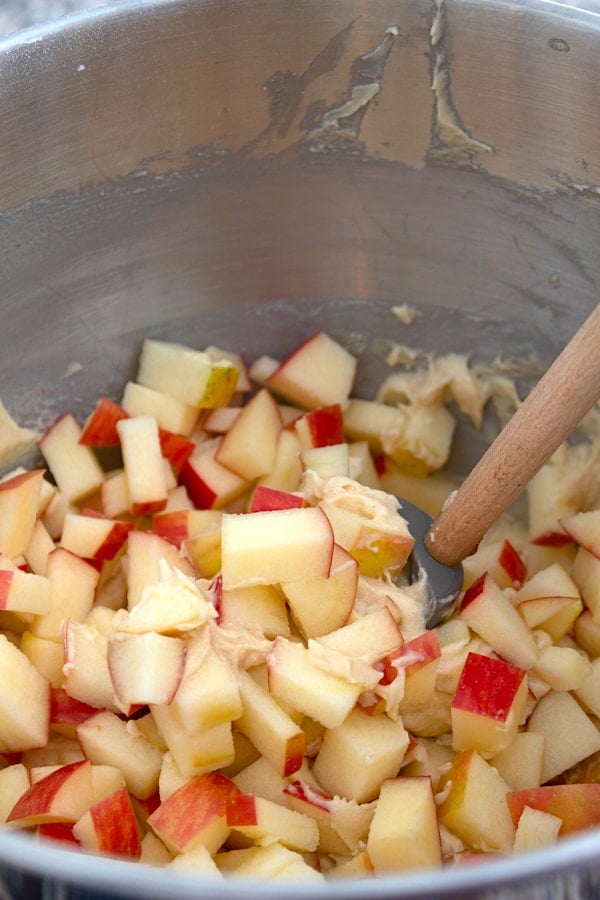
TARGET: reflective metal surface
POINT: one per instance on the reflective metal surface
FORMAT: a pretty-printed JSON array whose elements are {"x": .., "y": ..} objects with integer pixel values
[{"x": 245, "y": 171}]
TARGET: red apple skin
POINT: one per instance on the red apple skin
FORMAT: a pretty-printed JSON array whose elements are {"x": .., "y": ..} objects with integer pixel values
[
  {"x": 100, "y": 429},
  {"x": 115, "y": 538},
  {"x": 66, "y": 710},
  {"x": 512, "y": 563},
  {"x": 58, "y": 831},
  {"x": 410, "y": 656},
  {"x": 115, "y": 824},
  {"x": 37, "y": 801},
  {"x": 266, "y": 499},
  {"x": 474, "y": 591},
  {"x": 241, "y": 810},
  {"x": 578, "y": 805},
  {"x": 552, "y": 539},
  {"x": 172, "y": 526},
  {"x": 201, "y": 495},
  {"x": 487, "y": 686},
  {"x": 310, "y": 794},
  {"x": 175, "y": 448},
  {"x": 202, "y": 799},
  {"x": 326, "y": 425}
]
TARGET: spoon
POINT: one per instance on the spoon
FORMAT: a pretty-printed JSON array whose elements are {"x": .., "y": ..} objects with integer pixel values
[{"x": 550, "y": 412}]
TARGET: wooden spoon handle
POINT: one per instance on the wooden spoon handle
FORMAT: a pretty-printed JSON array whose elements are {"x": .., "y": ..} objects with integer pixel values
[{"x": 557, "y": 403}]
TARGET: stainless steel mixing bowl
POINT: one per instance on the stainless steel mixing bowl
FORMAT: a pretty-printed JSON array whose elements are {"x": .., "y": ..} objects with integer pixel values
[{"x": 242, "y": 172}]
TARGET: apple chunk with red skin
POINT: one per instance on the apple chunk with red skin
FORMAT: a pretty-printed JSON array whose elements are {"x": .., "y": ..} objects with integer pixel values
[
  {"x": 195, "y": 814},
  {"x": 499, "y": 559},
  {"x": 322, "y": 605},
  {"x": 93, "y": 536},
  {"x": 100, "y": 428},
  {"x": 577, "y": 805},
  {"x": 267, "y": 499},
  {"x": 24, "y": 592},
  {"x": 278, "y": 546},
  {"x": 143, "y": 463},
  {"x": 76, "y": 470},
  {"x": 264, "y": 822},
  {"x": 322, "y": 427},
  {"x": 110, "y": 826},
  {"x": 318, "y": 373},
  {"x": 19, "y": 503},
  {"x": 61, "y": 796},
  {"x": 418, "y": 658},
  {"x": 488, "y": 704}
]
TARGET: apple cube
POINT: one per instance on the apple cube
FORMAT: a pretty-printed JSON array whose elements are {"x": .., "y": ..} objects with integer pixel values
[
  {"x": 108, "y": 740},
  {"x": 145, "y": 668},
  {"x": 100, "y": 428},
  {"x": 327, "y": 462},
  {"x": 19, "y": 504},
  {"x": 24, "y": 592},
  {"x": 62, "y": 796},
  {"x": 187, "y": 374},
  {"x": 195, "y": 814},
  {"x": 197, "y": 862},
  {"x": 39, "y": 548},
  {"x": 86, "y": 673},
  {"x": 549, "y": 500},
  {"x": 265, "y": 822},
  {"x": 343, "y": 824},
  {"x": 562, "y": 668},
  {"x": 274, "y": 734},
  {"x": 267, "y": 499},
  {"x": 145, "y": 551},
  {"x": 369, "y": 637},
  {"x": 171, "y": 414},
  {"x": 404, "y": 834},
  {"x": 322, "y": 605},
  {"x": 535, "y": 829},
  {"x": 577, "y": 806},
  {"x": 272, "y": 547},
  {"x": 584, "y": 529},
  {"x": 296, "y": 679},
  {"x": 550, "y": 601},
  {"x": 474, "y": 805},
  {"x": 207, "y": 693},
  {"x": 321, "y": 427},
  {"x": 491, "y": 615},
  {"x": 265, "y": 863},
  {"x": 500, "y": 560},
  {"x": 73, "y": 583},
  {"x": 586, "y": 575},
  {"x": 14, "y": 782},
  {"x": 92, "y": 536},
  {"x": 260, "y": 606},
  {"x": 520, "y": 764},
  {"x": 114, "y": 495},
  {"x": 286, "y": 472},
  {"x": 372, "y": 749},
  {"x": 318, "y": 373},
  {"x": 369, "y": 420},
  {"x": 488, "y": 704},
  {"x": 76, "y": 470},
  {"x": 143, "y": 464},
  {"x": 194, "y": 750},
  {"x": 586, "y": 631},
  {"x": 250, "y": 445},
  {"x": 110, "y": 826},
  {"x": 24, "y": 701},
  {"x": 579, "y": 735},
  {"x": 418, "y": 660},
  {"x": 209, "y": 484},
  {"x": 423, "y": 444}
]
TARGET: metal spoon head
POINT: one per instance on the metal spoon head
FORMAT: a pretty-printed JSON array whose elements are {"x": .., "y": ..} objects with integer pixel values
[{"x": 443, "y": 583}]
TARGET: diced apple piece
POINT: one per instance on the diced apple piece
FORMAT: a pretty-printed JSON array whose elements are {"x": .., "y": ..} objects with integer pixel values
[
  {"x": 586, "y": 631},
  {"x": 474, "y": 805},
  {"x": 265, "y": 822},
  {"x": 548, "y": 501},
  {"x": 23, "y": 592},
  {"x": 562, "y": 668},
  {"x": 260, "y": 778},
  {"x": 491, "y": 615},
  {"x": 343, "y": 824},
  {"x": 76, "y": 470},
  {"x": 182, "y": 524},
  {"x": 94, "y": 536},
  {"x": 108, "y": 740},
  {"x": 266, "y": 499},
  {"x": 404, "y": 834},
  {"x": 100, "y": 428},
  {"x": 274, "y": 734},
  {"x": 19, "y": 504},
  {"x": 143, "y": 463},
  {"x": 66, "y": 712},
  {"x": 188, "y": 374},
  {"x": 14, "y": 440},
  {"x": 250, "y": 445},
  {"x": 369, "y": 420},
  {"x": 170, "y": 413},
  {"x": 520, "y": 764},
  {"x": 318, "y": 373},
  {"x": 208, "y": 693},
  {"x": 418, "y": 660},
  {"x": 39, "y": 548},
  {"x": 361, "y": 465},
  {"x": 500, "y": 560},
  {"x": 24, "y": 701},
  {"x": 584, "y": 529},
  {"x": 195, "y": 814},
  {"x": 322, "y": 605},
  {"x": 46, "y": 655},
  {"x": 86, "y": 674},
  {"x": 110, "y": 826},
  {"x": 576, "y": 805},
  {"x": 372, "y": 749},
  {"x": 272, "y": 547},
  {"x": 145, "y": 551},
  {"x": 266, "y": 863},
  {"x": 297, "y": 680},
  {"x": 62, "y": 796},
  {"x": 579, "y": 735},
  {"x": 586, "y": 575},
  {"x": 535, "y": 829},
  {"x": 550, "y": 600},
  {"x": 286, "y": 472},
  {"x": 209, "y": 484},
  {"x": 488, "y": 704},
  {"x": 327, "y": 462},
  {"x": 197, "y": 862},
  {"x": 260, "y": 606},
  {"x": 194, "y": 750},
  {"x": 217, "y": 354},
  {"x": 14, "y": 782},
  {"x": 114, "y": 495},
  {"x": 370, "y": 637},
  {"x": 73, "y": 584},
  {"x": 145, "y": 668},
  {"x": 321, "y": 427}
]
